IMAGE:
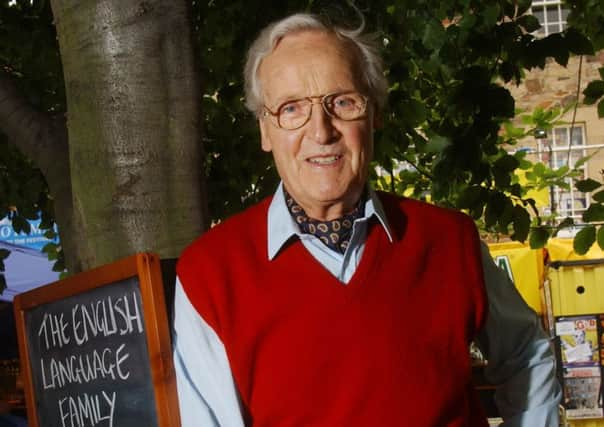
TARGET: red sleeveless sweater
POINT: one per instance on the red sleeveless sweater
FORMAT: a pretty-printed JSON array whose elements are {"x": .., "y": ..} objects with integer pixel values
[{"x": 390, "y": 348}]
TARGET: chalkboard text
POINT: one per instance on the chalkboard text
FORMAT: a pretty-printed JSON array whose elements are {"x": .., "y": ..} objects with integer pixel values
[{"x": 77, "y": 350}]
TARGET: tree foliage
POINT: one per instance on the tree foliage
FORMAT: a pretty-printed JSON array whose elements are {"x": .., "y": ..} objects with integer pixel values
[
  {"x": 446, "y": 64},
  {"x": 29, "y": 56},
  {"x": 588, "y": 17},
  {"x": 448, "y": 117}
]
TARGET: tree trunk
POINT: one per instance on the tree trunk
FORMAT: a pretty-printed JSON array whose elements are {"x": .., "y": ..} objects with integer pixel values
[{"x": 133, "y": 126}]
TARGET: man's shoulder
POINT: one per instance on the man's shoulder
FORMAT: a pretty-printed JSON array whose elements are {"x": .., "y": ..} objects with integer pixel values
[{"x": 235, "y": 231}]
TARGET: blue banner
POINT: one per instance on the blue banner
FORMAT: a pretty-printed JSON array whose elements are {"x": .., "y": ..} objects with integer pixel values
[{"x": 34, "y": 240}]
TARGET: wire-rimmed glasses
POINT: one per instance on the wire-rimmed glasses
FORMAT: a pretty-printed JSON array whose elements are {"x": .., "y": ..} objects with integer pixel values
[{"x": 295, "y": 113}]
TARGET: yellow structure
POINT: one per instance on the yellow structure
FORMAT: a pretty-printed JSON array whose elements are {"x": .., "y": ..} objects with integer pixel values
[
  {"x": 525, "y": 267},
  {"x": 576, "y": 281},
  {"x": 577, "y": 287}
]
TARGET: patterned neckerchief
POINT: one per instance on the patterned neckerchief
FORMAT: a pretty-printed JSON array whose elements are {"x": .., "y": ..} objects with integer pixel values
[{"x": 335, "y": 234}]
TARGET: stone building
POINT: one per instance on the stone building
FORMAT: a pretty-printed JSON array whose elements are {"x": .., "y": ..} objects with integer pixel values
[{"x": 562, "y": 86}]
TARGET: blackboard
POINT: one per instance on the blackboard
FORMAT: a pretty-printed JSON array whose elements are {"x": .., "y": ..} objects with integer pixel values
[{"x": 95, "y": 349}]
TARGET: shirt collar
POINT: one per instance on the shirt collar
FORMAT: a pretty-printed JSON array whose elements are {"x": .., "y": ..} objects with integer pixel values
[{"x": 281, "y": 226}]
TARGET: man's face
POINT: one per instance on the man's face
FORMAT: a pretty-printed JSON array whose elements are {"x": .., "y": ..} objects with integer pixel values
[{"x": 323, "y": 164}]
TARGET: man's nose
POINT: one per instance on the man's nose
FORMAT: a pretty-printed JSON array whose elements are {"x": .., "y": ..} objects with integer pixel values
[{"x": 320, "y": 126}]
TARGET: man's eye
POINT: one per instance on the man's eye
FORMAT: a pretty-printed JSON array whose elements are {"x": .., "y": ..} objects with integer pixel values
[
  {"x": 344, "y": 102},
  {"x": 290, "y": 108}
]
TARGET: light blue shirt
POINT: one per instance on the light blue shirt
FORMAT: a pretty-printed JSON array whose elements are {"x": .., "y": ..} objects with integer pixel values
[{"x": 521, "y": 361}]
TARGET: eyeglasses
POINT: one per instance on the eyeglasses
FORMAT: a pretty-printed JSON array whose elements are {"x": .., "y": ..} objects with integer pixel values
[{"x": 296, "y": 113}]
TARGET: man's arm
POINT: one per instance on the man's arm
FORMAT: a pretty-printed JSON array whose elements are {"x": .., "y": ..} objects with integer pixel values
[
  {"x": 206, "y": 391},
  {"x": 521, "y": 361}
]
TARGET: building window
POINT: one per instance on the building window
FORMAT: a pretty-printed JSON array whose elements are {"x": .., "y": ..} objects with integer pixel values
[
  {"x": 563, "y": 147},
  {"x": 551, "y": 15}
]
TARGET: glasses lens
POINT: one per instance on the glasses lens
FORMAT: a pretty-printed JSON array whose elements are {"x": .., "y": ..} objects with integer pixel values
[
  {"x": 346, "y": 106},
  {"x": 293, "y": 114}
]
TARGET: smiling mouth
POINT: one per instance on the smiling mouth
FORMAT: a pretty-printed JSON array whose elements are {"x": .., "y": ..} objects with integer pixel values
[{"x": 325, "y": 160}]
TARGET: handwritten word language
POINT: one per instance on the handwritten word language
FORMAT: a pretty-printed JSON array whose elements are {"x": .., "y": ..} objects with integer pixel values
[{"x": 84, "y": 368}]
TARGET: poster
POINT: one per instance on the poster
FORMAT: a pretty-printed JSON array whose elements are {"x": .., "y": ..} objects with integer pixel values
[
  {"x": 580, "y": 351},
  {"x": 578, "y": 340},
  {"x": 582, "y": 392}
]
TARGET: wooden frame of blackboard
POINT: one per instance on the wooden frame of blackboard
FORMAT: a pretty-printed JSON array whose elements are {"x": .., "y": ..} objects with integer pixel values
[{"x": 144, "y": 266}]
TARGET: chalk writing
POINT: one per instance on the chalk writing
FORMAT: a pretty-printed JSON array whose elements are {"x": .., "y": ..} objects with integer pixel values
[
  {"x": 91, "y": 363},
  {"x": 84, "y": 368},
  {"x": 106, "y": 318},
  {"x": 53, "y": 331},
  {"x": 85, "y": 410}
]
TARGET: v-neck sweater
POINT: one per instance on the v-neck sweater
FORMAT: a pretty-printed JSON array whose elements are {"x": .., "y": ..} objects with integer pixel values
[{"x": 388, "y": 349}]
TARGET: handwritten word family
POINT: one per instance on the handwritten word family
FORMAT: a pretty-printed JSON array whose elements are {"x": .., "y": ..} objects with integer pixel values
[
  {"x": 71, "y": 362},
  {"x": 84, "y": 410}
]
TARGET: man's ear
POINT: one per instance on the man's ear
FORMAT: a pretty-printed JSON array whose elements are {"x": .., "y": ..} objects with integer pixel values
[{"x": 264, "y": 138}]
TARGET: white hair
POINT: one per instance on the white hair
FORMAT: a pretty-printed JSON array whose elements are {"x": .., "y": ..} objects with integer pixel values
[{"x": 366, "y": 47}]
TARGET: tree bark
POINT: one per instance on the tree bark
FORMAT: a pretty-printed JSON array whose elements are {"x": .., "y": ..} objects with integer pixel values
[{"x": 133, "y": 125}]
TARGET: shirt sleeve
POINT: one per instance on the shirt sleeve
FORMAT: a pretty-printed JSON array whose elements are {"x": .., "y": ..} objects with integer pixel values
[
  {"x": 521, "y": 363},
  {"x": 206, "y": 391}
]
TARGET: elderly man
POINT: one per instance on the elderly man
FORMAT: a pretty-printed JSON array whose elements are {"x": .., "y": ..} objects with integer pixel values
[{"x": 330, "y": 304}]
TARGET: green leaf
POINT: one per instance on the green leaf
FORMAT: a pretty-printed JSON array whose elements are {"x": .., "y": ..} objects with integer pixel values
[
  {"x": 437, "y": 143},
  {"x": 594, "y": 213},
  {"x": 522, "y": 222},
  {"x": 499, "y": 101},
  {"x": 506, "y": 217},
  {"x": 20, "y": 224},
  {"x": 513, "y": 131},
  {"x": 593, "y": 91},
  {"x": 538, "y": 237},
  {"x": 507, "y": 163},
  {"x": 434, "y": 35},
  {"x": 600, "y": 237},
  {"x": 582, "y": 160},
  {"x": 58, "y": 266},
  {"x": 598, "y": 197},
  {"x": 468, "y": 21},
  {"x": 601, "y": 109},
  {"x": 491, "y": 15},
  {"x": 3, "y": 256},
  {"x": 495, "y": 207},
  {"x": 539, "y": 170},
  {"x": 529, "y": 22},
  {"x": 553, "y": 45},
  {"x": 516, "y": 190},
  {"x": 49, "y": 248},
  {"x": 587, "y": 185},
  {"x": 577, "y": 43},
  {"x": 566, "y": 222},
  {"x": 470, "y": 196},
  {"x": 584, "y": 239},
  {"x": 522, "y": 5},
  {"x": 561, "y": 171},
  {"x": 413, "y": 111}
]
